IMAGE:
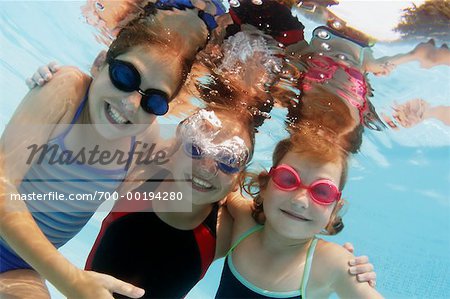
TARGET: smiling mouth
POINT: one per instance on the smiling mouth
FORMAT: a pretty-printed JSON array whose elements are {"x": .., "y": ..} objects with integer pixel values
[
  {"x": 294, "y": 216},
  {"x": 114, "y": 116},
  {"x": 200, "y": 184}
]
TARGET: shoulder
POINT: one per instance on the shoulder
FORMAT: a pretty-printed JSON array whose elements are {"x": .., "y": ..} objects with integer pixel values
[
  {"x": 58, "y": 97},
  {"x": 68, "y": 83},
  {"x": 240, "y": 208},
  {"x": 332, "y": 257},
  {"x": 331, "y": 265}
]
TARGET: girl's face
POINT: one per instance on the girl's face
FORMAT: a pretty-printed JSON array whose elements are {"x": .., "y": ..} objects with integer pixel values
[
  {"x": 209, "y": 177},
  {"x": 293, "y": 214},
  {"x": 119, "y": 113}
]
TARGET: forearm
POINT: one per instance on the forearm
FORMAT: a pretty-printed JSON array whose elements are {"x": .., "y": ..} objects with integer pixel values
[
  {"x": 20, "y": 231},
  {"x": 441, "y": 113}
]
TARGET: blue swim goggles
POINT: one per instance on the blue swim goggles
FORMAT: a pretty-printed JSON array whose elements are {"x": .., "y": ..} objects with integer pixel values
[
  {"x": 125, "y": 77},
  {"x": 183, "y": 4}
]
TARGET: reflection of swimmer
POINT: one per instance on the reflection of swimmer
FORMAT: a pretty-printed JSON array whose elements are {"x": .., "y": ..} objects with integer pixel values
[
  {"x": 427, "y": 54},
  {"x": 297, "y": 199},
  {"x": 347, "y": 47},
  {"x": 415, "y": 111},
  {"x": 114, "y": 101},
  {"x": 110, "y": 16}
]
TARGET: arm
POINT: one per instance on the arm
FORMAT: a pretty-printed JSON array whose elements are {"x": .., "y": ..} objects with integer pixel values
[
  {"x": 238, "y": 206},
  {"x": 441, "y": 113},
  {"x": 427, "y": 54},
  {"x": 415, "y": 111},
  {"x": 60, "y": 97},
  {"x": 346, "y": 286}
]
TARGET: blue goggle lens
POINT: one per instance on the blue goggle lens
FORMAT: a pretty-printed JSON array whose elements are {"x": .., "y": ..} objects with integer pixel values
[{"x": 125, "y": 77}]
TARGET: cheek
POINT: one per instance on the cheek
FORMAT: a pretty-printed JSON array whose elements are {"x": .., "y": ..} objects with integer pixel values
[
  {"x": 144, "y": 117},
  {"x": 323, "y": 214},
  {"x": 227, "y": 181},
  {"x": 270, "y": 200}
]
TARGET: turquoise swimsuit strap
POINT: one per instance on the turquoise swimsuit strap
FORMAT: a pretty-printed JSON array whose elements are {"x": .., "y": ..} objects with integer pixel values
[
  {"x": 307, "y": 269},
  {"x": 308, "y": 262},
  {"x": 244, "y": 236},
  {"x": 361, "y": 56}
]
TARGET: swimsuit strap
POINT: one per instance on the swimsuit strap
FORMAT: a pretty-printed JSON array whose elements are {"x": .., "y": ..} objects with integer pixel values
[
  {"x": 60, "y": 138},
  {"x": 75, "y": 118},
  {"x": 244, "y": 236},
  {"x": 307, "y": 269},
  {"x": 131, "y": 153}
]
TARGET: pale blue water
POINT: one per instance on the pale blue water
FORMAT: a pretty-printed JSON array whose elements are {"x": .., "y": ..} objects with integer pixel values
[{"x": 399, "y": 185}]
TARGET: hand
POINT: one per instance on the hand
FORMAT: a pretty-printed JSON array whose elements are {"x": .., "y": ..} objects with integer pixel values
[
  {"x": 209, "y": 6},
  {"x": 410, "y": 113},
  {"x": 380, "y": 67},
  {"x": 42, "y": 75},
  {"x": 361, "y": 267},
  {"x": 91, "y": 284}
]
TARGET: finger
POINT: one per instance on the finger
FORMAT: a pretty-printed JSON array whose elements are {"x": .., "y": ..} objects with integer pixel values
[
  {"x": 359, "y": 260},
  {"x": 389, "y": 121},
  {"x": 366, "y": 277},
  {"x": 399, "y": 118},
  {"x": 126, "y": 289},
  {"x": 349, "y": 247},
  {"x": 54, "y": 66},
  {"x": 361, "y": 269},
  {"x": 37, "y": 78},
  {"x": 45, "y": 73},
  {"x": 30, "y": 83},
  {"x": 372, "y": 283}
]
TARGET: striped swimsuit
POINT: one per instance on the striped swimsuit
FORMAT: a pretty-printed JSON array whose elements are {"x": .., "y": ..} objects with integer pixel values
[{"x": 61, "y": 220}]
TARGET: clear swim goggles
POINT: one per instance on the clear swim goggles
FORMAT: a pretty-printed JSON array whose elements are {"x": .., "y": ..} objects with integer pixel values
[{"x": 198, "y": 133}]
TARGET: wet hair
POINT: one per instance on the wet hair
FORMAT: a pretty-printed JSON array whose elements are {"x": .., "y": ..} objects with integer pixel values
[
  {"x": 220, "y": 92},
  {"x": 147, "y": 30},
  {"x": 310, "y": 144},
  {"x": 326, "y": 111}
]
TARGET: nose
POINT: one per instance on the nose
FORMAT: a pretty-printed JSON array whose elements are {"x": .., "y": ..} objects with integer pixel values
[
  {"x": 131, "y": 102},
  {"x": 300, "y": 199},
  {"x": 207, "y": 168}
]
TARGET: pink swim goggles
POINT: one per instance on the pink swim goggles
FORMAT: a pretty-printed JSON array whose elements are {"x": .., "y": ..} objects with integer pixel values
[{"x": 323, "y": 191}]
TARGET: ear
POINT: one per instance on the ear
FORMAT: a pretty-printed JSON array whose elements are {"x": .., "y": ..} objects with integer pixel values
[{"x": 99, "y": 62}]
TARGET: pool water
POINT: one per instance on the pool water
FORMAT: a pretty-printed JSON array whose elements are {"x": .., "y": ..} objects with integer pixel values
[{"x": 399, "y": 184}]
